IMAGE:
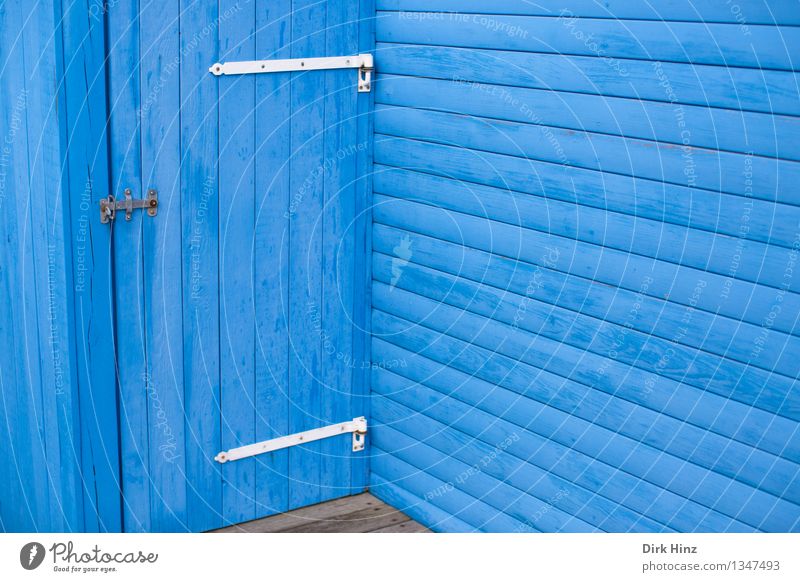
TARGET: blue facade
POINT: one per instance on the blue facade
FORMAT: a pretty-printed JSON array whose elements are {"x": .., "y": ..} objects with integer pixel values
[
  {"x": 234, "y": 315},
  {"x": 52, "y": 479},
  {"x": 552, "y": 257},
  {"x": 586, "y": 236}
]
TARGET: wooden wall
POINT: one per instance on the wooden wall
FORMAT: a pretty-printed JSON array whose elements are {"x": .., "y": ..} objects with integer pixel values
[
  {"x": 585, "y": 288},
  {"x": 80, "y": 413},
  {"x": 64, "y": 287},
  {"x": 585, "y": 277},
  {"x": 57, "y": 395}
]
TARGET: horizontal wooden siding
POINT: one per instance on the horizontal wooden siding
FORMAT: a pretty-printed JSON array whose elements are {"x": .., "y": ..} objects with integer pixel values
[{"x": 585, "y": 282}]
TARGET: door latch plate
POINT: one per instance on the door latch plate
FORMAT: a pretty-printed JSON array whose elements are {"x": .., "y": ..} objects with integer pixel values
[
  {"x": 364, "y": 79},
  {"x": 110, "y": 205}
]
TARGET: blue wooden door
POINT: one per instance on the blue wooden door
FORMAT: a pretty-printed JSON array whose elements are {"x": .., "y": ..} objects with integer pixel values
[{"x": 239, "y": 306}]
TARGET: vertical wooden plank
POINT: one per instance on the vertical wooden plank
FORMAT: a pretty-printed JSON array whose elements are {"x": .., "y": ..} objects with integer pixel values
[
  {"x": 236, "y": 231},
  {"x": 53, "y": 287},
  {"x": 305, "y": 283},
  {"x": 23, "y": 394},
  {"x": 200, "y": 212},
  {"x": 87, "y": 165},
  {"x": 9, "y": 497},
  {"x": 13, "y": 509},
  {"x": 35, "y": 282},
  {"x": 163, "y": 384},
  {"x": 362, "y": 267},
  {"x": 125, "y": 145},
  {"x": 12, "y": 505},
  {"x": 335, "y": 313},
  {"x": 271, "y": 252}
]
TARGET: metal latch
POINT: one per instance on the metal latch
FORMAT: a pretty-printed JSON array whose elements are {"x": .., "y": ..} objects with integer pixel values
[
  {"x": 362, "y": 62},
  {"x": 365, "y": 78},
  {"x": 357, "y": 426},
  {"x": 110, "y": 205}
]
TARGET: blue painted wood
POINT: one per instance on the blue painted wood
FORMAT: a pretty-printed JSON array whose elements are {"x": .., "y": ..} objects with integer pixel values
[
  {"x": 160, "y": 153},
  {"x": 654, "y": 310},
  {"x": 236, "y": 232},
  {"x": 724, "y": 129},
  {"x": 313, "y": 264},
  {"x": 47, "y": 445},
  {"x": 414, "y": 507},
  {"x": 471, "y": 199},
  {"x": 53, "y": 273},
  {"x": 22, "y": 396},
  {"x": 754, "y": 11},
  {"x": 486, "y": 200},
  {"x": 549, "y": 503},
  {"x": 727, "y": 417},
  {"x": 242, "y": 192},
  {"x": 744, "y": 218},
  {"x": 742, "y": 502},
  {"x": 199, "y": 118},
  {"x": 644, "y": 237},
  {"x": 88, "y": 174},
  {"x": 568, "y": 246},
  {"x": 739, "y": 462},
  {"x": 693, "y": 288},
  {"x": 766, "y": 91},
  {"x": 125, "y": 146},
  {"x": 10, "y": 487},
  {"x": 560, "y": 441},
  {"x": 722, "y": 172},
  {"x": 717, "y": 335},
  {"x": 501, "y": 481},
  {"x": 338, "y": 249},
  {"x": 41, "y": 178},
  {"x": 191, "y": 377},
  {"x": 767, "y": 47},
  {"x": 362, "y": 233},
  {"x": 270, "y": 254},
  {"x": 305, "y": 248},
  {"x": 447, "y": 470},
  {"x": 479, "y": 515}
]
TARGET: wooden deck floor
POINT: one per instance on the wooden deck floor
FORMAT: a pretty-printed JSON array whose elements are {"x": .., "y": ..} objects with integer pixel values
[{"x": 357, "y": 514}]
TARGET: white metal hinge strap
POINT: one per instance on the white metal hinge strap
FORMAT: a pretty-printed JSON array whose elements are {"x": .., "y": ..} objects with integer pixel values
[
  {"x": 357, "y": 426},
  {"x": 362, "y": 62}
]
